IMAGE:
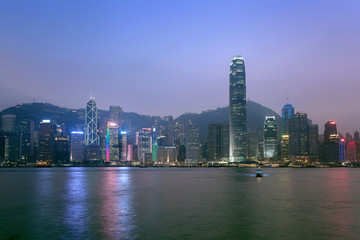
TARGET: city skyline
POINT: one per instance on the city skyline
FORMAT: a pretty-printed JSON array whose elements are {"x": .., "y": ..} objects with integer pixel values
[{"x": 130, "y": 54}]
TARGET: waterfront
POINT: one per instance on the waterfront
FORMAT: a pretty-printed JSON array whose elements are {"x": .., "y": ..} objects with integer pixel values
[{"x": 179, "y": 203}]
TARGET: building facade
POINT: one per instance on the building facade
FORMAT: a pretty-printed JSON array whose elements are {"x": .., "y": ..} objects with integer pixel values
[{"x": 237, "y": 95}]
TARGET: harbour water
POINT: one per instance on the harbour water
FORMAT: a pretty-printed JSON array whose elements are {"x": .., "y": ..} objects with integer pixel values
[{"x": 179, "y": 203}]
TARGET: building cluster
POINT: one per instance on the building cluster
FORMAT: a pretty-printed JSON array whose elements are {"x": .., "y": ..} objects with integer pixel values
[
  {"x": 98, "y": 141},
  {"x": 107, "y": 140}
]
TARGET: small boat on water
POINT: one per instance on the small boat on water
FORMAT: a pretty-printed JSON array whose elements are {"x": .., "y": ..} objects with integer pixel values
[{"x": 259, "y": 172}]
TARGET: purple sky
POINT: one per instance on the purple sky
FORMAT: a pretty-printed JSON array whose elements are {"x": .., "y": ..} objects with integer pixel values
[{"x": 171, "y": 57}]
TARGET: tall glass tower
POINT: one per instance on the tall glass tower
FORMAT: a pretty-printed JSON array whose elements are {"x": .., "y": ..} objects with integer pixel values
[
  {"x": 91, "y": 116},
  {"x": 270, "y": 137},
  {"x": 287, "y": 112},
  {"x": 237, "y": 128}
]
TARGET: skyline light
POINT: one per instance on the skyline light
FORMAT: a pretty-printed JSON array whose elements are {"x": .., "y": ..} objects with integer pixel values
[{"x": 290, "y": 50}]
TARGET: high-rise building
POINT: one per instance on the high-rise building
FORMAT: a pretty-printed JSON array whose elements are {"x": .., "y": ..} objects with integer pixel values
[
  {"x": 124, "y": 146},
  {"x": 47, "y": 141},
  {"x": 330, "y": 131},
  {"x": 351, "y": 152},
  {"x": 166, "y": 154},
  {"x": 331, "y": 143},
  {"x": 237, "y": 95},
  {"x": 342, "y": 150},
  {"x": 313, "y": 139},
  {"x": 218, "y": 142},
  {"x": 298, "y": 132},
  {"x": 9, "y": 123},
  {"x": 112, "y": 142},
  {"x": 285, "y": 144},
  {"x": 144, "y": 143},
  {"x": 356, "y": 136},
  {"x": 253, "y": 139},
  {"x": 115, "y": 115},
  {"x": 270, "y": 137},
  {"x": 287, "y": 113},
  {"x": 62, "y": 149},
  {"x": 91, "y": 118},
  {"x": 192, "y": 143},
  {"x": 77, "y": 146},
  {"x": 27, "y": 140},
  {"x": 154, "y": 145}
]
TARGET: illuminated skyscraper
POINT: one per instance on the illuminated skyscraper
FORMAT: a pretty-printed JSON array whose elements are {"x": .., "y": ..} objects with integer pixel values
[
  {"x": 287, "y": 112},
  {"x": 330, "y": 131},
  {"x": 270, "y": 137},
  {"x": 298, "y": 131},
  {"x": 124, "y": 146},
  {"x": 144, "y": 142},
  {"x": 77, "y": 146},
  {"x": 47, "y": 141},
  {"x": 192, "y": 143},
  {"x": 237, "y": 94},
  {"x": 331, "y": 142},
  {"x": 115, "y": 115},
  {"x": 342, "y": 150},
  {"x": 91, "y": 117},
  {"x": 112, "y": 142},
  {"x": 27, "y": 140}
]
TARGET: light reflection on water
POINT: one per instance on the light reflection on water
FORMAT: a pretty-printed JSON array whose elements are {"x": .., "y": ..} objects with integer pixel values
[{"x": 159, "y": 203}]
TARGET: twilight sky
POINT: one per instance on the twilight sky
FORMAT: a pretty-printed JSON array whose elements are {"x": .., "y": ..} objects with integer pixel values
[{"x": 170, "y": 57}]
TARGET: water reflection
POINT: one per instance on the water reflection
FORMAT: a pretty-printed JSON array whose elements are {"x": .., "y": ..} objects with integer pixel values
[
  {"x": 117, "y": 211},
  {"x": 339, "y": 206},
  {"x": 76, "y": 212}
]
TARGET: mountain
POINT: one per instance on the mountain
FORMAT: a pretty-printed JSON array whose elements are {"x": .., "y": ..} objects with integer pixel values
[
  {"x": 75, "y": 118},
  {"x": 255, "y": 117}
]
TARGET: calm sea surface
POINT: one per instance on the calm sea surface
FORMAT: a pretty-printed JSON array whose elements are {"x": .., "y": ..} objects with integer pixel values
[{"x": 179, "y": 203}]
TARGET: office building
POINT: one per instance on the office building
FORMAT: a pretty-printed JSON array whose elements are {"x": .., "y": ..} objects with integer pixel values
[
  {"x": 144, "y": 143},
  {"x": 27, "y": 140},
  {"x": 112, "y": 142},
  {"x": 62, "y": 149},
  {"x": 91, "y": 123},
  {"x": 270, "y": 137},
  {"x": 237, "y": 97},
  {"x": 287, "y": 112},
  {"x": 218, "y": 142},
  {"x": 9, "y": 123},
  {"x": 166, "y": 154},
  {"x": 298, "y": 135},
  {"x": 115, "y": 115},
  {"x": 47, "y": 141},
  {"x": 192, "y": 143},
  {"x": 77, "y": 146}
]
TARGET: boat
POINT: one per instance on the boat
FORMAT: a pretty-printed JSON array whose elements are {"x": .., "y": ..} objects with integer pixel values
[{"x": 259, "y": 172}]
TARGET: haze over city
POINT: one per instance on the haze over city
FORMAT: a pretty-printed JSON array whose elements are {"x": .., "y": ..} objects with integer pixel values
[{"x": 167, "y": 58}]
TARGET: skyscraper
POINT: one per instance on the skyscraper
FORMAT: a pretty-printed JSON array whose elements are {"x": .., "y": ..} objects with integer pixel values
[
  {"x": 330, "y": 131},
  {"x": 47, "y": 141},
  {"x": 91, "y": 117},
  {"x": 27, "y": 140},
  {"x": 77, "y": 146},
  {"x": 9, "y": 123},
  {"x": 144, "y": 142},
  {"x": 298, "y": 131},
  {"x": 218, "y": 142},
  {"x": 331, "y": 142},
  {"x": 237, "y": 95},
  {"x": 192, "y": 143},
  {"x": 270, "y": 137},
  {"x": 287, "y": 112},
  {"x": 112, "y": 142},
  {"x": 115, "y": 115}
]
